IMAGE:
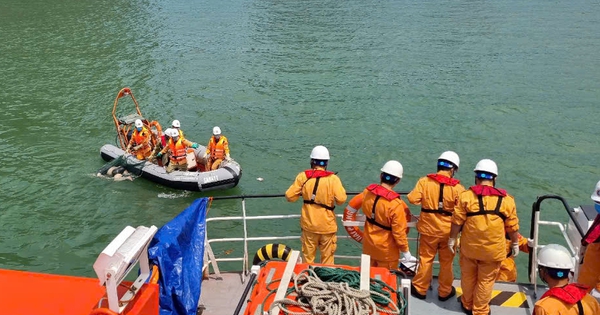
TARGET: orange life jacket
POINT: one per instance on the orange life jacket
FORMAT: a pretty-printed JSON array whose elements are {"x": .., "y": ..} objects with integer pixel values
[
  {"x": 178, "y": 150},
  {"x": 141, "y": 137},
  {"x": 217, "y": 150}
]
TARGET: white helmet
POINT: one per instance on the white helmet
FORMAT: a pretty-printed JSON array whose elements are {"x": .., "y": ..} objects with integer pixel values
[
  {"x": 216, "y": 131},
  {"x": 169, "y": 132},
  {"x": 319, "y": 153},
  {"x": 555, "y": 256},
  {"x": 139, "y": 123},
  {"x": 393, "y": 168},
  {"x": 176, "y": 124},
  {"x": 596, "y": 193},
  {"x": 488, "y": 166},
  {"x": 451, "y": 157}
]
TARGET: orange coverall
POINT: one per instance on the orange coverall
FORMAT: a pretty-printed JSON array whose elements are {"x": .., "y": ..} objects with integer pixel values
[
  {"x": 483, "y": 246},
  {"x": 508, "y": 268},
  {"x": 318, "y": 220},
  {"x": 589, "y": 273},
  {"x": 564, "y": 301},
  {"x": 141, "y": 139},
  {"x": 384, "y": 240},
  {"x": 434, "y": 228}
]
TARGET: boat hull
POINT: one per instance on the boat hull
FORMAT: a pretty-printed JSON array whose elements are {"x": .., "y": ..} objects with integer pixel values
[{"x": 226, "y": 176}]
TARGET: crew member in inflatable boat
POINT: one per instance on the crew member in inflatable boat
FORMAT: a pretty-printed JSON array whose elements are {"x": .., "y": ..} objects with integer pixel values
[
  {"x": 437, "y": 194},
  {"x": 563, "y": 298},
  {"x": 140, "y": 141},
  {"x": 321, "y": 191},
  {"x": 217, "y": 150},
  {"x": 589, "y": 273},
  {"x": 385, "y": 225},
  {"x": 177, "y": 126},
  {"x": 177, "y": 147},
  {"x": 482, "y": 248}
]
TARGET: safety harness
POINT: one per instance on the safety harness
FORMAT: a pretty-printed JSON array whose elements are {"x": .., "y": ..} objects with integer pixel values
[
  {"x": 317, "y": 174},
  {"x": 481, "y": 191},
  {"x": 443, "y": 180},
  {"x": 379, "y": 192},
  {"x": 572, "y": 293}
]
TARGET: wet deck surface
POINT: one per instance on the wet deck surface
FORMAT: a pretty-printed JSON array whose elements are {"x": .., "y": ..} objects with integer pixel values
[{"x": 220, "y": 297}]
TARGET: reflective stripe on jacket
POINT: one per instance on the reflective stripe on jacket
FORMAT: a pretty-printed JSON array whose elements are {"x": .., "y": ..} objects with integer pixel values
[{"x": 218, "y": 150}]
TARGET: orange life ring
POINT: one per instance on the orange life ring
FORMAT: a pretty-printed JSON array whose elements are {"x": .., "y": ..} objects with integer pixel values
[{"x": 352, "y": 220}]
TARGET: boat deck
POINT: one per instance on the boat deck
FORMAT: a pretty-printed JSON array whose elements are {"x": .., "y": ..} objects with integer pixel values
[{"x": 221, "y": 296}]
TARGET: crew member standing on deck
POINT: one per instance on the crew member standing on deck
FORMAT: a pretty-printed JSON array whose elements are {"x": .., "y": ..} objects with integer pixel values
[
  {"x": 484, "y": 213},
  {"x": 385, "y": 227},
  {"x": 321, "y": 191},
  {"x": 589, "y": 273},
  {"x": 438, "y": 195},
  {"x": 563, "y": 298}
]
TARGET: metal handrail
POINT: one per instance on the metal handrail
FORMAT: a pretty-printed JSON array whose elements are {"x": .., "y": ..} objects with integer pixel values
[
  {"x": 534, "y": 233},
  {"x": 246, "y": 238}
]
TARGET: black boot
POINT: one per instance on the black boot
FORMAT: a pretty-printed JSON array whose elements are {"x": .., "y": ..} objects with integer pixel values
[
  {"x": 447, "y": 297},
  {"x": 416, "y": 293}
]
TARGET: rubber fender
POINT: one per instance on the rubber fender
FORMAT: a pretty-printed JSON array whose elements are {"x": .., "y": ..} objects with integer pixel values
[{"x": 272, "y": 251}]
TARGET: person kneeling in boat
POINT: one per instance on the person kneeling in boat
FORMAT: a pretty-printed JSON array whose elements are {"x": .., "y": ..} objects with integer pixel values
[
  {"x": 385, "y": 225},
  {"x": 321, "y": 191},
  {"x": 140, "y": 141},
  {"x": 563, "y": 298},
  {"x": 177, "y": 147},
  {"x": 217, "y": 150},
  {"x": 508, "y": 268}
]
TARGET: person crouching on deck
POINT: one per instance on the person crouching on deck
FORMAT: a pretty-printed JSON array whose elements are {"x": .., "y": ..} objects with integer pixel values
[
  {"x": 177, "y": 146},
  {"x": 321, "y": 191},
  {"x": 385, "y": 227}
]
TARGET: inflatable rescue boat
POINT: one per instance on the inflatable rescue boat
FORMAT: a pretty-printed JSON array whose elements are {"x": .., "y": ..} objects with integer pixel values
[{"x": 195, "y": 178}]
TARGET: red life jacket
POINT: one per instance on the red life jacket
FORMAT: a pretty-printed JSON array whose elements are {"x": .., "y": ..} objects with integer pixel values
[
  {"x": 571, "y": 293},
  {"x": 593, "y": 234},
  {"x": 481, "y": 190},
  {"x": 442, "y": 179},
  {"x": 383, "y": 192},
  {"x": 317, "y": 173}
]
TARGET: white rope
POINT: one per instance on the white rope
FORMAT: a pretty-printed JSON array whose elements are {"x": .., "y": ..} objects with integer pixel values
[{"x": 314, "y": 296}]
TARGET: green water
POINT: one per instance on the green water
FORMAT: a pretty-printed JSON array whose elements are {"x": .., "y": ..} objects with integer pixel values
[{"x": 373, "y": 80}]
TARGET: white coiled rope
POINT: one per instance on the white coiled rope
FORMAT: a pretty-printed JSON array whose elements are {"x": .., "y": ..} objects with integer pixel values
[{"x": 315, "y": 296}]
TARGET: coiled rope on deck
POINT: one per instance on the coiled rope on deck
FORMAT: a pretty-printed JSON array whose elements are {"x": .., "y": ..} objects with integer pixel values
[{"x": 335, "y": 291}]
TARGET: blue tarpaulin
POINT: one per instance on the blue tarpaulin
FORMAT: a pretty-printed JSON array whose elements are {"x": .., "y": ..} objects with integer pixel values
[{"x": 178, "y": 251}]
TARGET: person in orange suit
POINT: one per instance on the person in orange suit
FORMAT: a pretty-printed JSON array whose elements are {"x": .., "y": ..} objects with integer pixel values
[
  {"x": 177, "y": 149},
  {"x": 563, "y": 298},
  {"x": 385, "y": 226},
  {"x": 508, "y": 268},
  {"x": 589, "y": 272},
  {"x": 217, "y": 150},
  {"x": 484, "y": 213},
  {"x": 321, "y": 191},
  {"x": 437, "y": 194},
  {"x": 140, "y": 141}
]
